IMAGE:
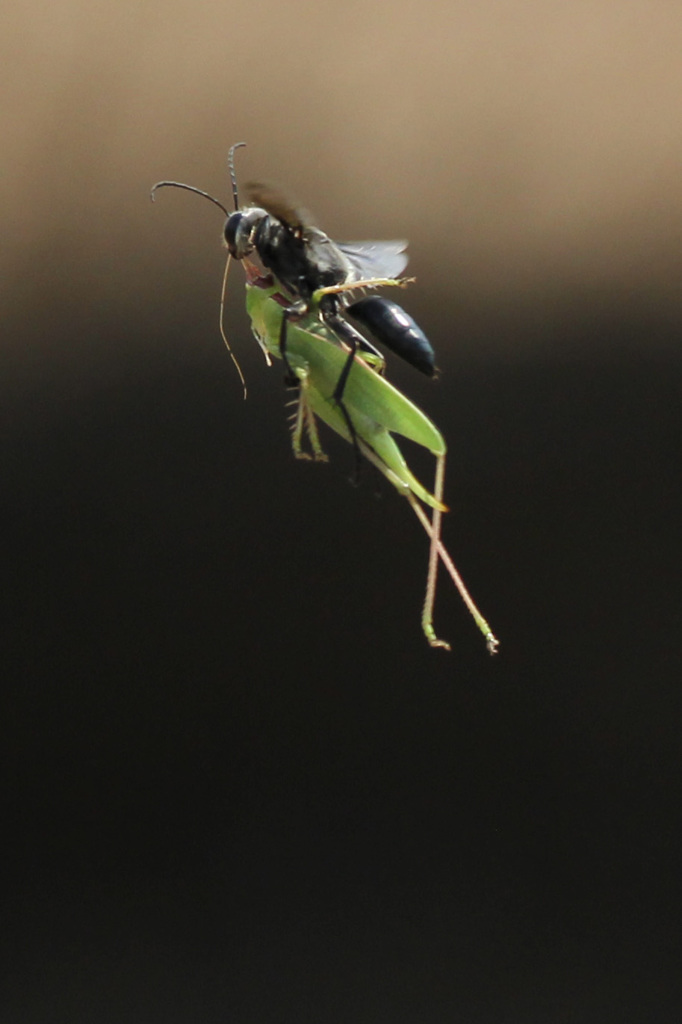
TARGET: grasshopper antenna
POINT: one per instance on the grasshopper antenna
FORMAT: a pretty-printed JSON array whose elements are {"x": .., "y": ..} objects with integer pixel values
[
  {"x": 216, "y": 202},
  {"x": 233, "y": 176},
  {"x": 222, "y": 325}
]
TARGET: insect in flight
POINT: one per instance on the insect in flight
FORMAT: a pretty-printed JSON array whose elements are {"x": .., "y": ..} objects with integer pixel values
[
  {"x": 298, "y": 312},
  {"x": 308, "y": 263}
]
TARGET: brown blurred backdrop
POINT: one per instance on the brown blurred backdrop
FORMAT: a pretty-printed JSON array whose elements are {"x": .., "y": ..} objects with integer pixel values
[
  {"x": 530, "y": 151},
  {"x": 237, "y": 784}
]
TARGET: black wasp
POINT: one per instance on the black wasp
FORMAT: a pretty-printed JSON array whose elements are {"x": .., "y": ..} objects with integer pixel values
[{"x": 305, "y": 260}]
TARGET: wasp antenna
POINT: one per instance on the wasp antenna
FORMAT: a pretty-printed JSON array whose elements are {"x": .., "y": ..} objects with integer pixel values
[
  {"x": 233, "y": 176},
  {"x": 188, "y": 188},
  {"x": 222, "y": 325}
]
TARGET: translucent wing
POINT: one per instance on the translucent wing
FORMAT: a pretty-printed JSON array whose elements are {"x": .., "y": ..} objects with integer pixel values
[
  {"x": 270, "y": 198},
  {"x": 375, "y": 259}
]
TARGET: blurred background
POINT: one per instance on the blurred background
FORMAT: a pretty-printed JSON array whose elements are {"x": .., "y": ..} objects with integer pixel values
[{"x": 238, "y": 785}]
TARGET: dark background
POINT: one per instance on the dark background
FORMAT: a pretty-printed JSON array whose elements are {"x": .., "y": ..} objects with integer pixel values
[{"x": 238, "y": 786}]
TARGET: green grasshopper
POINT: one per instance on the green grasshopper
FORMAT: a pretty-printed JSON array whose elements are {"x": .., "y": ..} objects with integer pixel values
[
  {"x": 297, "y": 312},
  {"x": 376, "y": 409}
]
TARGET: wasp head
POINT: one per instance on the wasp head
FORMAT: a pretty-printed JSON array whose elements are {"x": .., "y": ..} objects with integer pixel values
[{"x": 240, "y": 229}]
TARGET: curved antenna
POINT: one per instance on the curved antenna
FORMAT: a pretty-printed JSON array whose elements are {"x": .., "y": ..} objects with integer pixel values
[
  {"x": 233, "y": 176},
  {"x": 223, "y": 335},
  {"x": 216, "y": 202},
  {"x": 188, "y": 188}
]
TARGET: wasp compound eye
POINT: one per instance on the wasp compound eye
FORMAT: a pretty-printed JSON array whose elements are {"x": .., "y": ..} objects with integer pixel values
[
  {"x": 239, "y": 231},
  {"x": 234, "y": 236}
]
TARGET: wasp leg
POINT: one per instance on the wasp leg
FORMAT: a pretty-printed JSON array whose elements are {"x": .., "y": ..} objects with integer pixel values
[
  {"x": 369, "y": 282},
  {"x": 354, "y": 340}
]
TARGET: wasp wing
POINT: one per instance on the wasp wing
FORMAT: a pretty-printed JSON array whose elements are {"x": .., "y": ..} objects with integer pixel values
[
  {"x": 375, "y": 259},
  {"x": 277, "y": 204}
]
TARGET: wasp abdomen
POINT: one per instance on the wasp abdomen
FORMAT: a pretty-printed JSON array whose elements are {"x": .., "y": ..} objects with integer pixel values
[{"x": 394, "y": 328}]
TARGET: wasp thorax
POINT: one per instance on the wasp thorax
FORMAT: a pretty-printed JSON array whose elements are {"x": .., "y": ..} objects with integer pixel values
[{"x": 240, "y": 228}]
